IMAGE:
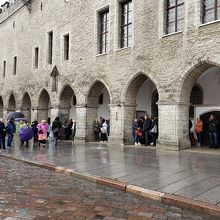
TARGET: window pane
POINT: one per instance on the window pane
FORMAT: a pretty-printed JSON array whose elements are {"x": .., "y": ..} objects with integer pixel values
[
  {"x": 218, "y": 13},
  {"x": 124, "y": 18},
  {"x": 209, "y": 4},
  {"x": 129, "y": 41},
  {"x": 124, "y": 32},
  {"x": 124, "y": 8},
  {"x": 130, "y": 30},
  {"x": 130, "y": 17},
  {"x": 171, "y": 15},
  {"x": 209, "y": 15},
  {"x": 180, "y": 1},
  {"x": 180, "y": 12},
  {"x": 171, "y": 3},
  {"x": 171, "y": 27},
  {"x": 180, "y": 25}
]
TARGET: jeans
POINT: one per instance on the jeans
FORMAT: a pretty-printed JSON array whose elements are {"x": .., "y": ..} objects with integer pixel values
[
  {"x": 10, "y": 139},
  {"x": 154, "y": 137},
  {"x": 136, "y": 139},
  {"x": 147, "y": 134},
  {"x": 213, "y": 137},
  {"x": 200, "y": 138},
  {"x": 2, "y": 143},
  {"x": 56, "y": 137}
]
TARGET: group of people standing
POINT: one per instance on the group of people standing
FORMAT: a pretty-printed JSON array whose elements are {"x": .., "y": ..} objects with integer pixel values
[
  {"x": 40, "y": 132},
  {"x": 9, "y": 130},
  {"x": 212, "y": 127},
  {"x": 101, "y": 129},
  {"x": 145, "y": 130}
]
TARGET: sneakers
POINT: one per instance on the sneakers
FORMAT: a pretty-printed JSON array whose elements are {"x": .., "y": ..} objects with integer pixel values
[
  {"x": 135, "y": 143},
  {"x": 139, "y": 143}
]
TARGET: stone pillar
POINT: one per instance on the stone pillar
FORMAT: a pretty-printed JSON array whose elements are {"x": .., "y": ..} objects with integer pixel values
[
  {"x": 34, "y": 113},
  {"x": 92, "y": 114},
  {"x": 5, "y": 111},
  {"x": 173, "y": 126},
  {"x": 116, "y": 124},
  {"x": 129, "y": 116},
  {"x": 81, "y": 110}
]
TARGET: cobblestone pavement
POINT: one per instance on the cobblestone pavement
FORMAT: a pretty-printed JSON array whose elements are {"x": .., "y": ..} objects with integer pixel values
[{"x": 28, "y": 192}]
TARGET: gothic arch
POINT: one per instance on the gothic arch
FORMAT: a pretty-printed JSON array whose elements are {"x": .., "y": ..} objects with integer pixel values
[
  {"x": 11, "y": 103},
  {"x": 67, "y": 100},
  {"x": 130, "y": 90},
  {"x": 93, "y": 107},
  {"x": 129, "y": 97},
  {"x": 26, "y": 106},
  {"x": 196, "y": 97},
  {"x": 189, "y": 79},
  {"x": 44, "y": 106},
  {"x": 154, "y": 100},
  {"x": 94, "y": 89}
]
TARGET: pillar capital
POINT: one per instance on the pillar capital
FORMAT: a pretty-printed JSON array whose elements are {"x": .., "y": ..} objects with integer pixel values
[{"x": 171, "y": 102}]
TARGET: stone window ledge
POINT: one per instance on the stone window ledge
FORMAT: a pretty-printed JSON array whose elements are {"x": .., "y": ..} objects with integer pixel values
[
  {"x": 209, "y": 23},
  {"x": 124, "y": 48},
  {"x": 171, "y": 34},
  {"x": 101, "y": 54}
]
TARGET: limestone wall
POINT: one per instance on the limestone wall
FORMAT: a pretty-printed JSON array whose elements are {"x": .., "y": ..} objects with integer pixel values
[{"x": 172, "y": 62}]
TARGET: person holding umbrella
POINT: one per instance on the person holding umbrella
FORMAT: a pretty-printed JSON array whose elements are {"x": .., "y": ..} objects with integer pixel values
[{"x": 26, "y": 133}]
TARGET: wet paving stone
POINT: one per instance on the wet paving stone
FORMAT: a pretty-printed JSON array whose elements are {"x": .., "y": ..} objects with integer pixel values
[{"x": 28, "y": 192}]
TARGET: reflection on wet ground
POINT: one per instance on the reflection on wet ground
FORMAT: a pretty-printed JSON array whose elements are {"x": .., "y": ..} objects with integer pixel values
[{"x": 186, "y": 173}]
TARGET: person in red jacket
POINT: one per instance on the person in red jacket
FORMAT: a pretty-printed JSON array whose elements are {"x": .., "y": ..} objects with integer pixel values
[{"x": 199, "y": 131}]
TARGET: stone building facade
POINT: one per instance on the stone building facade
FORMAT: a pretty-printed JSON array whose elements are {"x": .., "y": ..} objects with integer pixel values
[{"x": 56, "y": 59}]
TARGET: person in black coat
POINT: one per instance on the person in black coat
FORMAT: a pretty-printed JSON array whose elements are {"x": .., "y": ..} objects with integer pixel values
[
  {"x": 56, "y": 127},
  {"x": 2, "y": 134},
  {"x": 35, "y": 130},
  {"x": 147, "y": 126}
]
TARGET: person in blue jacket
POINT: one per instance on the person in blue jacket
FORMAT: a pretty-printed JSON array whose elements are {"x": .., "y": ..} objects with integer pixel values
[{"x": 11, "y": 129}]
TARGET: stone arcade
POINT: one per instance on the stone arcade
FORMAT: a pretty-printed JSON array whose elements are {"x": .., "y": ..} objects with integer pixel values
[{"x": 111, "y": 58}]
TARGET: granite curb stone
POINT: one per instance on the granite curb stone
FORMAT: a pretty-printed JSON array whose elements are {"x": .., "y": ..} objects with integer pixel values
[
  {"x": 191, "y": 204},
  {"x": 145, "y": 193}
]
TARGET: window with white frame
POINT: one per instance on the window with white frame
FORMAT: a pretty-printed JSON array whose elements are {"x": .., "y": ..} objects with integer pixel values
[
  {"x": 126, "y": 15},
  {"x": 103, "y": 31},
  {"x": 66, "y": 45},
  {"x": 36, "y": 57},
  {"x": 175, "y": 16}
]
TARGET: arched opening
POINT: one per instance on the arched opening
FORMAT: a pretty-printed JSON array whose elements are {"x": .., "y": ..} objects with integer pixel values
[
  {"x": 26, "y": 106},
  {"x": 200, "y": 88},
  {"x": 1, "y": 107},
  {"x": 141, "y": 98},
  {"x": 98, "y": 101},
  {"x": 67, "y": 104},
  {"x": 11, "y": 104},
  {"x": 44, "y": 107},
  {"x": 205, "y": 118},
  {"x": 196, "y": 98},
  {"x": 154, "y": 100}
]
